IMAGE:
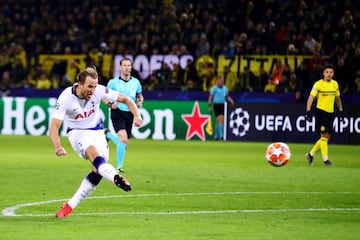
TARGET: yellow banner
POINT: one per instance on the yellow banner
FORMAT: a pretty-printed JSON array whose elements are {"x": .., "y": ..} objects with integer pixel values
[
  {"x": 75, "y": 62},
  {"x": 254, "y": 62},
  {"x": 203, "y": 64}
]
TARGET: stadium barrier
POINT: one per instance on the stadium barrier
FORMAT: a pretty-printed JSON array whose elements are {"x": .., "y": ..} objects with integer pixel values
[
  {"x": 170, "y": 120},
  {"x": 271, "y": 122}
]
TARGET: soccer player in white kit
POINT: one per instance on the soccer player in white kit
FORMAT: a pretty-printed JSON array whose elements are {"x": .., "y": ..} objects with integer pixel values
[{"x": 79, "y": 106}]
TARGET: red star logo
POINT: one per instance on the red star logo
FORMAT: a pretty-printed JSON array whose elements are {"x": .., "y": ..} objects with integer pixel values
[{"x": 195, "y": 122}]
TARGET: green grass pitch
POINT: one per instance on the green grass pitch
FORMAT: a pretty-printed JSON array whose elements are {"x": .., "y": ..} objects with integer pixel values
[{"x": 181, "y": 190}]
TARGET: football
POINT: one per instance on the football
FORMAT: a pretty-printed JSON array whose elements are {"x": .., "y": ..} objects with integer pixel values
[{"x": 278, "y": 154}]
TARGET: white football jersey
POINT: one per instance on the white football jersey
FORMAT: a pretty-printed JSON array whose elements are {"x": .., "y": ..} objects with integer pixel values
[{"x": 79, "y": 113}]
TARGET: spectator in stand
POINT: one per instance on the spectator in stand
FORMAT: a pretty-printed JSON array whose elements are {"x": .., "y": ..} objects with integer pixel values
[
  {"x": 241, "y": 43},
  {"x": 19, "y": 74},
  {"x": 152, "y": 82},
  {"x": 354, "y": 66},
  {"x": 221, "y": 34},
  {"x": 262, "y": 80},
  {"x": 175, "y": 50},
  {"x": 38, "y": 79},
  {"x": 276, "y": 79},
  {"x": 5, "y": 84},
  {"x": 247, "y": 80},
  {"x": 5, "y": 62},
  {"x": 192, "y": 85},
  {"x": 315, "y": 69},
  {"x": 357, "y": 82},
  {"x": 295, "y": 85},
  {"x": 249, "y": 47},
  {"x": 58, "y": 74},
  {"x": 291, "y": 50},
  {"x": 309, "y": 44},
  {"x": 270, "y": 87},
  {"x": 144, "y": 49},
  {"x": 208, "y": 76},
  {"x": 317, "y": 57},
  {"x": 74, "y": 67},
  {"x": 42, "y": 81},
  {"x": 230, "y": 78},
  {"x": 303, "y": 73},
  {"x": 285, "y": 77},
  {"x": 191, "y": 80},
  {"x": 164, "y": 74},
  {"x": 277, "y": 72},
  {"x": 174, "y": 84},
  {"x": 183, "y": 50},
  {"x": 343, "y": 76},
  {"x": 203, "y": 47},
  {"x": 176, "y": 77},
  {"x": 165, "y": 49},
  {"x": 269, "y": 37}
]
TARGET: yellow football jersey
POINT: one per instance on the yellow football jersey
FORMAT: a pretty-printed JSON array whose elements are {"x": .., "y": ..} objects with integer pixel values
[{"x": 325, "y": 92}]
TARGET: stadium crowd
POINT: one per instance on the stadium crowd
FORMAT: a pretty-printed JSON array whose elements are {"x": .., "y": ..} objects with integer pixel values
[{"x": 326, "y": 30}]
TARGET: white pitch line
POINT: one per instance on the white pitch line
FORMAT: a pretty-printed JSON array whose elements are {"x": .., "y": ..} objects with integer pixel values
[
  {"x": 200, "y": 212},
  {"x": 10, "y": 211}
]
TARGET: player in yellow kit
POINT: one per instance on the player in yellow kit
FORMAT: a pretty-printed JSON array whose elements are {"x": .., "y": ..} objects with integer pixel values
[{"x": 326, "y": 91}]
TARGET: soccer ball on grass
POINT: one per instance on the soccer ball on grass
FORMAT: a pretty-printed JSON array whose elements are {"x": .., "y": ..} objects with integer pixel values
[{"x": 278, "y": 154}]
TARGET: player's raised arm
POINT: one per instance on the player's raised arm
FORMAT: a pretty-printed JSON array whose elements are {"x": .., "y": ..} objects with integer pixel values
[
  {"x": 54, "y": 136},
  {"x": 110, "y": 104},
  {"x": 132, "y": 107}
]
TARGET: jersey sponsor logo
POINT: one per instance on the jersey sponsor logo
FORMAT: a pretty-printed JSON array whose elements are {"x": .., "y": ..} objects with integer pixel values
[{"x": 84, "y": 114}]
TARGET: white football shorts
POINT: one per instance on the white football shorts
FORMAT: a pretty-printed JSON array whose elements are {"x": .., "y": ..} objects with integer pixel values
[{"x": 80, "y": 140}]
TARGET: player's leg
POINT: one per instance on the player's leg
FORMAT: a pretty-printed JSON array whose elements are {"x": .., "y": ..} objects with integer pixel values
[
  {"x": 87, "y": 186},
  {"x": 310, "y": 155},
  {"x": 112, "y": 137},
  {"x": 84, "y": 142},
  {"x": 316, "y": 147},
  {"x": 221, "y": 126},
  {"x": 327, "y": 129},
  {"x": 218, "y": 110},
  {"x": 324, "y": 146},
  {"x": 321, "y": 121},
  {"x": 121, "y": 149},
  {"x": 122, "y": 122},
  {"x": 325, "y": 137},
  {"x": 216, "y": 131},
  {"x": 104, "y": 168},
  {"x": 324, "y": 123},
  {"x": 92, "y": 145}
]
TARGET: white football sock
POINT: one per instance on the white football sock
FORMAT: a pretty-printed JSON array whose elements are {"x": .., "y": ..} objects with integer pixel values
[
  {"x": 107, "y": 171},
  {"x": 85, "y": 189}
]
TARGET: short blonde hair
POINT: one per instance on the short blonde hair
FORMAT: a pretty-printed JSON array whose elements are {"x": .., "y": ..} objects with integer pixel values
[{"x": 89, "y": 71}]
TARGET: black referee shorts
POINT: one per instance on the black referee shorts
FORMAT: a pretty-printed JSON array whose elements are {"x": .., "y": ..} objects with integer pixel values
[
  {"x": 324, "y": 121},
  {"x": 122, "y": 120},
  {"x": 219, "y": 109}
]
